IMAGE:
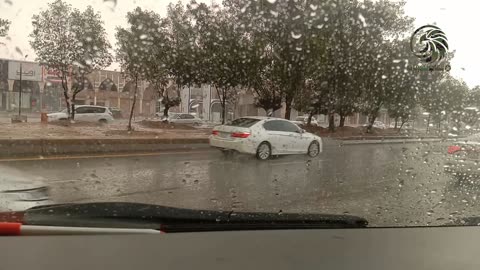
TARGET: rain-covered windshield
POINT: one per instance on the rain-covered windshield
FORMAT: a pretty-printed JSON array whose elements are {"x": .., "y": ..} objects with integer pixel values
[{"x": 205, "y": 98}]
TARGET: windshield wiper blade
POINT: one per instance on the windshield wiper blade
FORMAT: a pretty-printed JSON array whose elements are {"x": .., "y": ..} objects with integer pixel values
[{"x": 171, "y": 219}]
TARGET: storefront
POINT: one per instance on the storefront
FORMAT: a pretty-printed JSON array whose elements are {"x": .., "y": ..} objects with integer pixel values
[{"x": 23, "y": 81}]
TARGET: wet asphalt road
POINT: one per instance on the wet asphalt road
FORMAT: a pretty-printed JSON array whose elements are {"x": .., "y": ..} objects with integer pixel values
[{"x": 389, "y": 184}]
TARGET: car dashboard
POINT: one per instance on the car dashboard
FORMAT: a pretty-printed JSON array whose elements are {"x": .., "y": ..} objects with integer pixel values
[{"x": 372, "y": 248}]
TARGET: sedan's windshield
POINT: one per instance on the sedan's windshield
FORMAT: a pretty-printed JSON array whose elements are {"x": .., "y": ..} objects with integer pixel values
[{"x": 368, "y": 108}]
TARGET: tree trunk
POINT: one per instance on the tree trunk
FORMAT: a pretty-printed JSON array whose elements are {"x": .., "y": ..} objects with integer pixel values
[
  {"x": 401, "y": 125},
  {"x": 342, "y": 121},
  {"x": 129, "y": 128},
  {"x": 396, "y": 122},
  {"x": 72, "y": 111},
  {"x": 331, "y": 122},
  {"x": 309, "y": 121},
  {"x": 165, "y": 110},
  {"x": 371, "y": 121},
  {"x": 288, "y": 107},
  {"x": 224, "y": 109},
  {"x": 67, "y": 101},
  {"x": 65, "y": 94},
  {"x": 288, "y": 111}
]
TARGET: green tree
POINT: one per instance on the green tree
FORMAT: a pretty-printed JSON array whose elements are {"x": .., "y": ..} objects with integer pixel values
[
  {"x": 381, "y": 67},
  {"x": 446, "y": 98},
  {"x": 156, "y": 51},
  {"x": 133, "y": 48},
  {"x": 222, "y": 49},
  {"x": 402, "y": 98},
  {"x": 276, "y": 28},
  {"x": 182, "y": 61},
  {"x": 72, "y": 42},
  {"x": 471, "y": 110}
]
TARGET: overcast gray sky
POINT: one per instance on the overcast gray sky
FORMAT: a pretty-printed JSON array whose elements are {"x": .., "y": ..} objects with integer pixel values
[{"x": 458, "y": 18}]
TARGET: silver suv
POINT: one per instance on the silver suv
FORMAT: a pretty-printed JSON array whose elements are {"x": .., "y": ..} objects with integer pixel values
[{"x": 87, "y": 113}]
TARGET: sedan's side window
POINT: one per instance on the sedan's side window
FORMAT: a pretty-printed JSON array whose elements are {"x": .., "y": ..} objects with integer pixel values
[
  {"x": 274, "y": 125},
  {"x": 288, "y": 127},
  {"x": 188, "y": 116}
]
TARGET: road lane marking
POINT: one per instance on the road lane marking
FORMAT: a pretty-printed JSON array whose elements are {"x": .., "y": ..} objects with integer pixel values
[{"x": 105, "y": 156}]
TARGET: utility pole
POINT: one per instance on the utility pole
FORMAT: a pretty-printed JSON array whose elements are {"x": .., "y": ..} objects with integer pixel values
[{"x": 20, "y": 93}]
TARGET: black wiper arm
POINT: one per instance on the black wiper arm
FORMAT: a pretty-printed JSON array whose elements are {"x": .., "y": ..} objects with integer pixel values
[{"x": 170, "y": 219}]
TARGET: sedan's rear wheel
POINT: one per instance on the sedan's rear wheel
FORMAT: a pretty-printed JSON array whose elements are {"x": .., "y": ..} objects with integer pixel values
[
  {"x": 264, "y": 151},
  {"x": 313, "y": 149}
]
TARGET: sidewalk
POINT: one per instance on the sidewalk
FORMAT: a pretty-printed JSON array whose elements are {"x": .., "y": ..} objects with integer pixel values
[
  {"x": 5, "y": 117},
  {"x": 95, "y": 131},
  {"x": 400, "y": 137},
  {"x": 390, "y": 141},
  {"x": 37, "y": 139}
]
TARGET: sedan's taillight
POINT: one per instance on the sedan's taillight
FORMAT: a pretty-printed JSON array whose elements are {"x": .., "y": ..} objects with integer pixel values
[
  {"x": 240, "y": 134},
  {"x": 215, "y": 132},
  {"x": 453, "y": 149}
]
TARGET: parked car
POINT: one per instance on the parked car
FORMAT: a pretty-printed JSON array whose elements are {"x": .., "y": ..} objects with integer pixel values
[
  {"x": 87, "y": 113},
  {"x": 170, "y": 115},
  {"x": 116, "y": 112},
  {"x": 303, "y": 120},
  {"x": 20, "y": 191},
  {"x": 184, "y": 118},
  {"x": 377, "y": 124},
  {"x": 264, "y": 137}
]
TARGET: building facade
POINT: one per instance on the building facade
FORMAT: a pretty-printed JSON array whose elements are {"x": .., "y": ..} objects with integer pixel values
[{"x": 41, "y": 90}]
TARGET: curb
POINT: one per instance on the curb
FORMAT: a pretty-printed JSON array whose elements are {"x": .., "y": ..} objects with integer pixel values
[
  {"x": 404, "y": 141},
  {"x": 48, "y": 147},
  {"x": 367, "y": 138}
]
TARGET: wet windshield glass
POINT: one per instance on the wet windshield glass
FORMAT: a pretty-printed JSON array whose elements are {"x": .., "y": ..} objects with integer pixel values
[{"x": 367, "y": 108}]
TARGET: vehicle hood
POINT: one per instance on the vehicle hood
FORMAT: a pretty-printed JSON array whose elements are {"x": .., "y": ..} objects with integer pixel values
[
  {"x": 13, "y": 179},
  {"x": 311, "y": 135}
]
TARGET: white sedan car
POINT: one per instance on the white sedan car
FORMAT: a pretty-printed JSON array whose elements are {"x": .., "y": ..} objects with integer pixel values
[
  {"x": 264, "y": 137},
  {"x": 87, "y": 113},
  {"x": 20, "y": 191}
]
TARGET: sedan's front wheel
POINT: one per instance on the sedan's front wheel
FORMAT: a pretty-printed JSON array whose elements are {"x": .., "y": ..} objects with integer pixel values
[
  {"x": 264, "y": 151},
  {"x": 313, "y": 149}
]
